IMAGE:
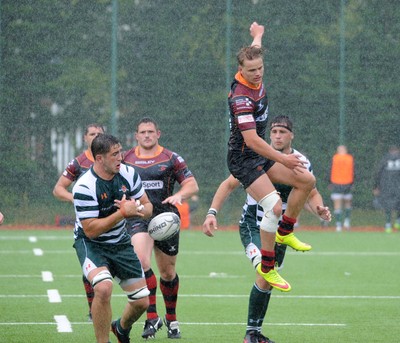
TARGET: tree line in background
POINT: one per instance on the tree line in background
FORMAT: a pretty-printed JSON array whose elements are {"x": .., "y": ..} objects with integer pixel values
[{"x": 175, "y": 61}]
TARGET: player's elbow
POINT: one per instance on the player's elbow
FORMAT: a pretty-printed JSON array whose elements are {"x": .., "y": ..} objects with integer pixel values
[
  {"x": 91, "y": 234},
  {"x": 195, "y": 188},
  {"x": 191, "y": 188},
  {"x": 56, "y": 193}
]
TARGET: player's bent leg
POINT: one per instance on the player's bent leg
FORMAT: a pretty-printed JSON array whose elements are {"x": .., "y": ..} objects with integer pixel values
[
  {"x": 272, "y": 209},
  {"x": 89, "y": 294},
  {"x": 153, "y": 323},
  {"x": 102, "y": 283},
  {"x": 270, "y": 219},
  {"x": 138, "y": 302}
]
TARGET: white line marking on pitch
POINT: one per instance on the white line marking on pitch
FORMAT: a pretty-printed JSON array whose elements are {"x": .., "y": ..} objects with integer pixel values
[
  {"x": 32, "y": 239},
  {"x": 63, "y": 324},
  {"x": 53, "y": 295},
  {"x": 38, "y": 252},
  {"x": 42, "y": 238},
  {"x": 47, "y": 276},
  {"x": 187, "y": 323},
  {"x": 270, "y": 324},
  {"x": 237, "y": 253},
  {"x": 359, "y": 297}
]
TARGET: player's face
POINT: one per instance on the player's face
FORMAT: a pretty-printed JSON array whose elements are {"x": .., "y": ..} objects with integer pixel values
[
  {"x": 252, "y": 70},
  {"x": 281, "y": 139},
  {"x": 111, "y": 162},
  {"x": 92, "y": 134},
  {"x": 147, "y": 136}
]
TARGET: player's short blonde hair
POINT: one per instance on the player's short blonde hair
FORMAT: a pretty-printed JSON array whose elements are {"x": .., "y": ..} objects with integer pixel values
[{"x": 249, "y": 53}]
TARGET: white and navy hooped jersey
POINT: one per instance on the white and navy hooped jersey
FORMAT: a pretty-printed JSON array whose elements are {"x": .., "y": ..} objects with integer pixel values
[
  {"x": 251, "y": 208},
  {"x": 94, "y": 198}
]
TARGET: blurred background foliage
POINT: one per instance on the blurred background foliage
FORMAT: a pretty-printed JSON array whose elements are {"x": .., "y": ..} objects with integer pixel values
[{"x": 175, "y": 60}]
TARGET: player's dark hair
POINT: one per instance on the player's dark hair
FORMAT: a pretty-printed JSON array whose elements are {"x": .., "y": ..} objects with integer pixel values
[
  {"x": 146, "y": 120},
  {"x": 97, "y": 126},
  {"x": 103, "y": 143},
  {"x": 281, "y": 121},
  {"x": 249, "y": 53}
]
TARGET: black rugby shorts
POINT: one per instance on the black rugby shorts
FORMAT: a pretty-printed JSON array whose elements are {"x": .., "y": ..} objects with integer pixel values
[{"x": 246, "y": 168}]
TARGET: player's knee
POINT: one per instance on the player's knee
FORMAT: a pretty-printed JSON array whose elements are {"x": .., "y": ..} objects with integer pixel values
[
  {"x": 278, "y": 208},
  {"x": 102, "y": 285},
  {"x": 272, "y": 206},
  {"x": 305, "y": 182},
  {"x": 138, "y": 295},
  {"x": 310, "y": 181},
  {"x": 102, "y": 276}
]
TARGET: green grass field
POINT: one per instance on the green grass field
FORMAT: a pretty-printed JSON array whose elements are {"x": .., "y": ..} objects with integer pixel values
[{"x": 346, "y": 290}]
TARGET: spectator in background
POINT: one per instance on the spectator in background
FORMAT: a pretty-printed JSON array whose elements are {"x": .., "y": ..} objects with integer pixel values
[
  {"x": 186, "y": 208},
  {"x": 1, "y": 218},
  {"x": 341, "y": 184},
  {"x": 387, "y": 187}
]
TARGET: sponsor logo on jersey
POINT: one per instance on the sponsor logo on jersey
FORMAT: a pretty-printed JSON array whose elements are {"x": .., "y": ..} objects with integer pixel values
[
  {"x": 145, "y": 162},
  {"x": 153, "y": 184},
  {"x": 243, "y": 104},
  {"x": 239, "y": 102},
  {"x": 248, "y": 118}
]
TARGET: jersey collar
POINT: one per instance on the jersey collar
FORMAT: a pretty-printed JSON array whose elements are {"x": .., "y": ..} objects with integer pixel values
[
  {"x": 89, "y": 155},
  {"x": 239, "y": 77},
  {"x": 157, "y": 152}
]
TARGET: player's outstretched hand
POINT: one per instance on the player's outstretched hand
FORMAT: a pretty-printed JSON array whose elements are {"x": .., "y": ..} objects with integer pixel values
[
  {"x": 209, "y": 225},
  {"x": 173, "y": 199}
]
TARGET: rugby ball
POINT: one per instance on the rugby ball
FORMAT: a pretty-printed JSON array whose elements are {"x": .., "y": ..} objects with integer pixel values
[{"x": 164, "y": 226}]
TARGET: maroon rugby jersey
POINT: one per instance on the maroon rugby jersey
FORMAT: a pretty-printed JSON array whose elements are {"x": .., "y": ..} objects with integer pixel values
[
  {"x": 248, "y": 109},
  {"x": 159, "y": 174},
  {"x": 78, "y": 166}
]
